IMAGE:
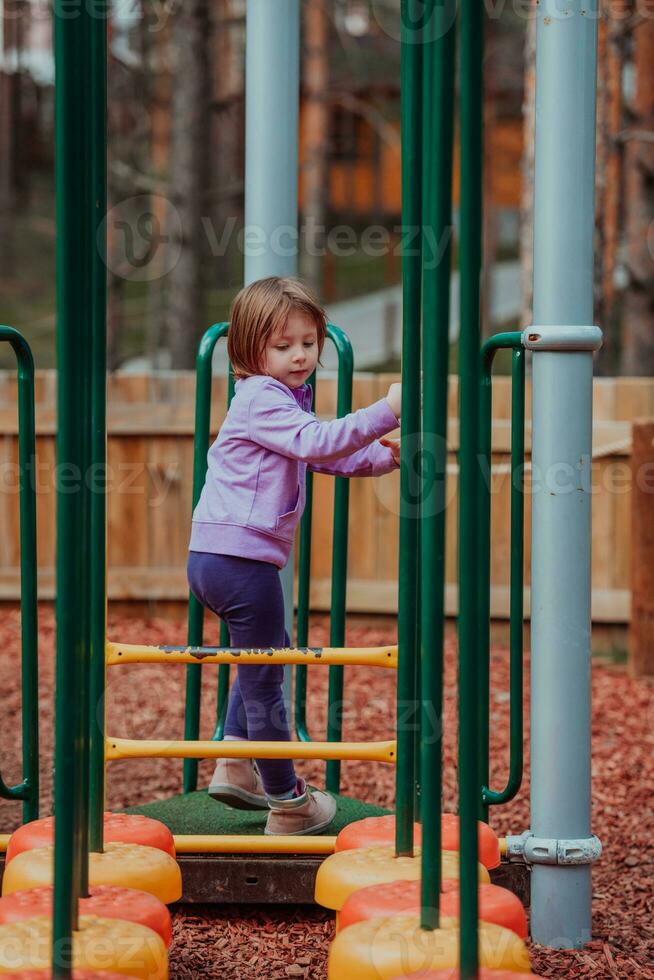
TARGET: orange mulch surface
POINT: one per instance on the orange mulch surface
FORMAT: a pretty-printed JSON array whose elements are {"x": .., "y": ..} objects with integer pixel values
[{"x": 271, "y": 943}]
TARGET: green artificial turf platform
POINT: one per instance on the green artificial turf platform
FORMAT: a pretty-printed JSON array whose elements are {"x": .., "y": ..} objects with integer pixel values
[{"x": 198, "y": 813}]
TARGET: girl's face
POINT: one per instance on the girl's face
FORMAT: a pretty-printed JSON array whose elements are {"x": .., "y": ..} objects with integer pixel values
[{"x": 291, "y": 354}]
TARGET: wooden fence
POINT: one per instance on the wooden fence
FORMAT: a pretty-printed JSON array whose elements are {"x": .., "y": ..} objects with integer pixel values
[{"x": 150, "y": 473}]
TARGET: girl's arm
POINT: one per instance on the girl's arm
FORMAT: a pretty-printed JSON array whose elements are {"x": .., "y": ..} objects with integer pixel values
[
  {"x": 277, "y": 422},
  {"x": 374, "y": 460}
]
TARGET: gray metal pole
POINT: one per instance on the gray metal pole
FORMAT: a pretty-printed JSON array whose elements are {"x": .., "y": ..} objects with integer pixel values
[
  {"x": 272, "y": 115},
  {"x": 562, "y": 847}
]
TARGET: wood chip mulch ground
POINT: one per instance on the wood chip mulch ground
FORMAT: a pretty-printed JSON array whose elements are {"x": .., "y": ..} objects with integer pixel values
[{"x": 274, "y": 943}]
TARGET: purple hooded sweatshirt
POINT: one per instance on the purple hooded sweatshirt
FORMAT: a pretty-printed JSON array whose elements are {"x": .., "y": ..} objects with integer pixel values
[{"x": 254, "y": 493}]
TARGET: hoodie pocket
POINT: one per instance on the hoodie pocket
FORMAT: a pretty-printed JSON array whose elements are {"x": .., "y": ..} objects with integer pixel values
[{"x": 287, "y": 522}]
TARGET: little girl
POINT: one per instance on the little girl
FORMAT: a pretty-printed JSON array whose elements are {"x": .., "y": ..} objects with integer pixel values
[{"x": 245, "y": 522}]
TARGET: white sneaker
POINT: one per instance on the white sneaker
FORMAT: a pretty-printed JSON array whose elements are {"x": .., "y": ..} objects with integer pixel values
[
  {"x": 237, "y": 783},
  {"x": 308, "y": 813}
]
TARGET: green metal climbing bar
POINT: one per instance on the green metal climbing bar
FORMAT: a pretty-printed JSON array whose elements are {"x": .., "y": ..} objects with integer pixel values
[
  {"x": 338, "y": 599},
  {"x": 470, "y": 261},
  {"x": 95, "y": 771},
  {"x": 304, "y": 598},
  {"x": 502, "y": 341},
  {"x": 439, "y": 62},
  {"x": 28, "y": 789},
  {"x": 80, "y": 139},
  {"x": 410, "y": 491},
  {"x": 339, "y": 571}
]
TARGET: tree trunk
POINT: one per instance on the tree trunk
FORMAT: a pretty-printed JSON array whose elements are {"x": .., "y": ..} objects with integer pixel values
[
  {"x": 10, "y": 81},
  {"x": 190, "y": 31},
  {"x": 160, "y": 97},
  {"x": 527, "y": 208},
  {"x": 316, "y": 135},
  {"x": 228, "y": 140},
  {"x": 637, "y": 354},
  {"x": 609, "y": 183}
]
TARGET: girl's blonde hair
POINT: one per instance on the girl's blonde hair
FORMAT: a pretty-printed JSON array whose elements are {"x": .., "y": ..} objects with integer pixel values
[{"x": 259, "y": 311}]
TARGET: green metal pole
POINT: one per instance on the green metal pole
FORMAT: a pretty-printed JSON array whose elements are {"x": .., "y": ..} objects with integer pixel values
[
  {"x": 224, "y": 670},
  {"x": 483, "y": 489},
  {"x": 71, "y": 37},
  {"x": 339, "y": 566},
  {"x": 98, "y": 369},
  {"x": 470, "y": 257},
  {"x": 339, "y": 561},
  {"x": 92, "y": 607},
  {"x": 417, "y": 787},
  {"x": 303, "y": 599},
  {"x": 408, "y": 578},
  {"x": 195, "y": 632},
  {"x": 438, "y": 127},
  {"x": 28, "y": 789},
  {"x": 222, "y": 694}
]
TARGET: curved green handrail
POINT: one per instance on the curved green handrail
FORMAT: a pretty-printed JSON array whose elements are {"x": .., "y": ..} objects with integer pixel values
[
  {"x": 511, "y": 341},
  {"x": 28, "y": 789},
  {"x": 195, "y": 633},
  {"x": 339, "y": 565}
]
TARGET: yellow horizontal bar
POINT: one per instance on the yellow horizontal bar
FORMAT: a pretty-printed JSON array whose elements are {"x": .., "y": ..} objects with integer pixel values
[
  {"x": 253, "y": 844},
  {"x": 130, "y": 748},
  {"x": 239, "y": 844},
  {"x": 132, "y": 653}
]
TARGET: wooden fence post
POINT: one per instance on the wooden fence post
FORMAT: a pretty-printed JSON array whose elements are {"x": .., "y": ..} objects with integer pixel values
[{"x": 641, "y": 640}]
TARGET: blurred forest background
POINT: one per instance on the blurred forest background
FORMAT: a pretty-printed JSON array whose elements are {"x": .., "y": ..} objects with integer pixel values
[{"x": 176, "y": 162}]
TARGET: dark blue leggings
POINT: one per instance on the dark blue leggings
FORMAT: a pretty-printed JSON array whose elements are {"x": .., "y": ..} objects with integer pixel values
[{"x": 247, "y": 595}]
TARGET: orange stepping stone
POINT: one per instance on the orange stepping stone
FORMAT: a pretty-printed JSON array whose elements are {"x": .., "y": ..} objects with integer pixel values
[
  {"x": 99, "y": 946},
  {"x": 496, "y": 904},
  {"x": 384, "y": 948},
  {"x": 373, "y": 831},
  {"x": 147, "y": 869},
  {"x": 105, "y": 901},
  {"x": 120, "y": 828}
]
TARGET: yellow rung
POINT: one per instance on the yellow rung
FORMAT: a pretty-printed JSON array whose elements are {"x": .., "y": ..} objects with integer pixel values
[
  {"x": 133, "y": 653},
  {"x": 130, "y": 748},
  {"x": 252, "y": 844},
  {"x": 4, "y": 842}
]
